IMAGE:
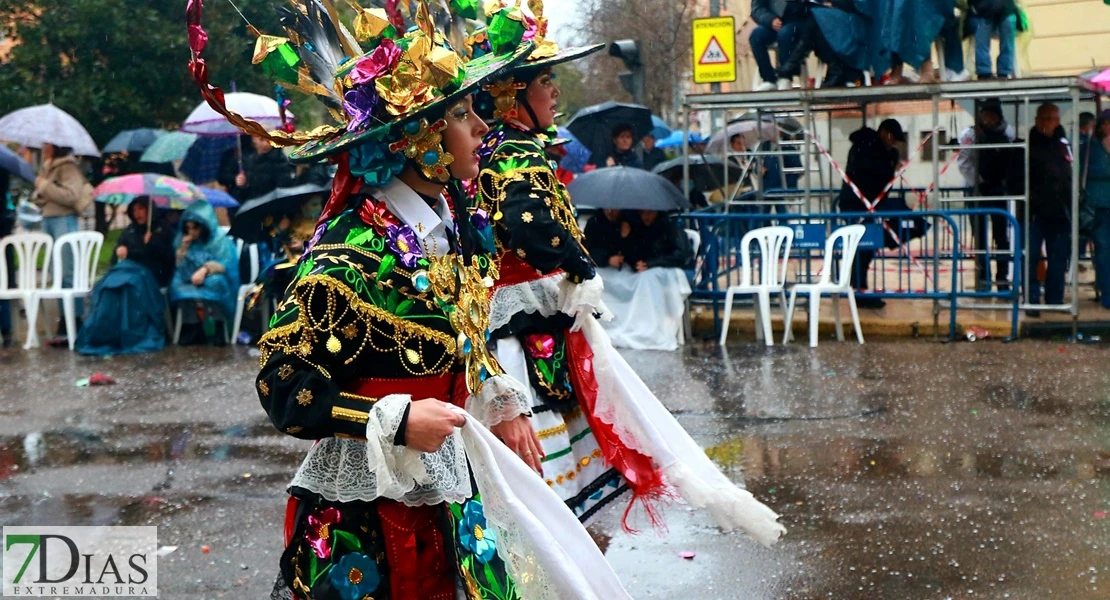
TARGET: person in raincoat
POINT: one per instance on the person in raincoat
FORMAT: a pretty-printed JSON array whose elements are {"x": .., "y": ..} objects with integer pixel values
[
  {"x": 908, "y": 30},
  {"x": 147, "y": 240},
  {"x": 206, "y": 280},
  {"x": 845, "y": 36}
]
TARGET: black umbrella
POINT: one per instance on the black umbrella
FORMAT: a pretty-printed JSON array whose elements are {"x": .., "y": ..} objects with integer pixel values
[
  {"x": 706, "y": 171},
  {"x": 250, "y": 224},
  {"x": 626, "y": 188},
  {"x": 593, "y": 125},
  {"x": 132, "y": 140}
]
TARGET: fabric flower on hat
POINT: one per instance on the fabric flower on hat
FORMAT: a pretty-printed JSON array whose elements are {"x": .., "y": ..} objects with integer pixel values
[
  {"x": 319, "y": 531},
  {"x": 374, "y": 163},
  {"x": 355, "y": 576},
  {"x": 360, "y": 103},
  {"x": 402, "y": 240},
  {"x": 379, "y": 62},
  {"x": 474, "y": 534}
]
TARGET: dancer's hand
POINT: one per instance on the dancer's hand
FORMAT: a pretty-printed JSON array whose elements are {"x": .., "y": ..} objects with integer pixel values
[
  {"x": 430, "y": 423},
  {"x": 521, "y": 438}
]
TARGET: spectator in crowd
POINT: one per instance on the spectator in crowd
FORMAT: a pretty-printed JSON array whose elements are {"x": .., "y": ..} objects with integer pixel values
[
  {"x": 839, "y": 35},
  {"x": 1086, "y": 133},
  {"x": 1049, "y": 204},
  {"x": 60, "y": 191},
  {"x": 909, "y": 28},
  {"x": 872, "y": 162},
  {"x": 623, "y": 155},
  {"x": 606, "y": 233},
  {"x": 7, "y": 227},
  {"x": 151, "y": 247},
  {"x": 655, "y": 241},
  {"x": 777, "y": 23},
  {"x": 1098, "y": 195},
  {"x": 652, "y": 154},
  {"x": 229, "y": 163},
  {"x": 986, "y": 172},
  {"x": 989, "y": 17},
  {"x": 268, "y": 168},
  {"x": 206, "y": 280}
]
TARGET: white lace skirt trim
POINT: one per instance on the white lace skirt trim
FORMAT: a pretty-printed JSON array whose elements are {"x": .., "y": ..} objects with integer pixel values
[
  {"x": 345, "y": 470},
  {"x": 536, "y": 296}
]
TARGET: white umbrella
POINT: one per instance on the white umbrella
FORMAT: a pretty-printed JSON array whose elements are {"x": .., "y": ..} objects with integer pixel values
[
  {"x": 748, "y": 128},
  {"x": 205, "y": 121},
  {"x": 47, "y": 124}
]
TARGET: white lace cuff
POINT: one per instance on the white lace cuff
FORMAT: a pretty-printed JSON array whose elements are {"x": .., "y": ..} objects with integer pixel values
[
  {"x": 575, "y": 298},
  {"x": 501, "y": 398},
  {"x": 408, "y": 475}
]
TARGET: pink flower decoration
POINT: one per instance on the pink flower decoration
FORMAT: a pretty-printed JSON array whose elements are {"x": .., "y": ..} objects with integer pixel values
[
  {"x": 381, "y": 61},
  {"x": 319, "y": 531},
  {"x": 540, "y": 345}
]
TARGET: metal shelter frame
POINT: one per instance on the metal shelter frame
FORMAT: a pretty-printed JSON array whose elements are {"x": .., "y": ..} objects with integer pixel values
[{"x": 1067, "y": 92}]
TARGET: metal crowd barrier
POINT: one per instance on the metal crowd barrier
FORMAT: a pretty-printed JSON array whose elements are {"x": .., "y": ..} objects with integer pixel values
[{"x": 927, "y": 267}]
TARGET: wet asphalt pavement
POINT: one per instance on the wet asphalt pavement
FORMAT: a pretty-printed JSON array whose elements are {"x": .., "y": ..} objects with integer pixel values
[{"x": 902, "y": 469}]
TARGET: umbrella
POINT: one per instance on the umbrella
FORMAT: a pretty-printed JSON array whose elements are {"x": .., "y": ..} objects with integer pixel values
[
  {"x": 1102, "y": 80},
  {"x": 593, "y": 125},
  {"x": 164, "y": 191},
  {"x": 749, "y": 128},
  {"x": 674, "y": 140},
  {"x": 47, "y": 124},
  {"x": 706, "y": 171},
  {"x": 202, "y": 161},
  {"x": 206, "y": 121},
  {"x": 659, "y": 128},
  {"x": 626, "y": 188},
  {"x": 14, "y": 164},
  {"x": 249, "y": 223},
  {"x": 168, "y": 148},
  {"x": 577, "y": 155},
  {"x": 132, "y": 140}
]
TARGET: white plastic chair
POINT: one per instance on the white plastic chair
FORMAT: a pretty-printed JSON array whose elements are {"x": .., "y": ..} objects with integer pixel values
[
  {"x": 850, "y": 236},
  {"x": 85, "y": 247},
  {"x": 699, "y": 258},
  {"x": 28, "y": 247},
  {"x": 774, "y": 256},
  {"x": 246, "y": 288}
]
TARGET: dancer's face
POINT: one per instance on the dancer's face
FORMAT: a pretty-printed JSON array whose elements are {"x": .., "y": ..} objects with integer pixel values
[
  {"x": 463, "y": 138},
  {"x": 543, "y": 96}
]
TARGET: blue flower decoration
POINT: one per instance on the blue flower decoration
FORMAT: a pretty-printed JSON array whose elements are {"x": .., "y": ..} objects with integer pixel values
[
  {"x": 354, "y": 576},
  {"x": 375, "y": 163},
  {"x": 473, "y": 534}
]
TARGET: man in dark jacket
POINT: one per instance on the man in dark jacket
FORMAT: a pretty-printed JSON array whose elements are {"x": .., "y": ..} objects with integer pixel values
[
  {"x": 653, "y": 155},
  {"x": 872, "y": 163},
  {"x": 991, "y": 170},
  {"x": 1050, "y": 175},
  {"x": 266, "y": 170},
  {"x": 623, "y": 154},
  {"x": 151, "y": 248},
  {"x": 655, "y": 241},
  {"x": 776, "y": 23},
  {"x": 606, "y": 232}
]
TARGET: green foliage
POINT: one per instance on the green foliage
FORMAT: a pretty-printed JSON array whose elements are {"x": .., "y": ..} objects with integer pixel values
[{"x": 121, "y": 64}]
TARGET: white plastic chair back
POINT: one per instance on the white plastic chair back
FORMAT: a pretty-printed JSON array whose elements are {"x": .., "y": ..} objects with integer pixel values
[
  {"x": 252, "y": 258},
  {"x": 773, "y": 242},
  {"x": 85, "y": 246},
  {"x": 849, "y": 236},
  {"x": 28, "y": 247},
  {"x": 695, "y": 241}
]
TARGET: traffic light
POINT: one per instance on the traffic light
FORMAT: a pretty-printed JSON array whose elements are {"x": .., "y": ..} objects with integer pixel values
[{"x": 632, "y": 80}]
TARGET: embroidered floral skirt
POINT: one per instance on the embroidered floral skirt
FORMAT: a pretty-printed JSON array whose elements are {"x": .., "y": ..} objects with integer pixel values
[{"x": 386, "y": 550}]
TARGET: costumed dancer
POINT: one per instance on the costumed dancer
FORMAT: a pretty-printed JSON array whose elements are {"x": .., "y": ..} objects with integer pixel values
[
  {"x": 601, "y": 429},
  {"x": 385, "y": 322}
]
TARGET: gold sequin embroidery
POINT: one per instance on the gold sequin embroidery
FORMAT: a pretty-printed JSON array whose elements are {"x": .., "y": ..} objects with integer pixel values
[
  {"x": 264, "y": 388},
  {"x": 526, "y": 217},
  {"x": 294, "y": 429},
  {"x": 555, "y": 241},
  {"x": 521, "y": 253},
  {"x": 350, "y": 331},
  {"x": 285, "y": 372},
  {"x": 304, "y": 397}
]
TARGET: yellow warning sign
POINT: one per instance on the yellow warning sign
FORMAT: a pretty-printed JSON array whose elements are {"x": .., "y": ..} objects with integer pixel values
[{"x": 714, "y": 50}]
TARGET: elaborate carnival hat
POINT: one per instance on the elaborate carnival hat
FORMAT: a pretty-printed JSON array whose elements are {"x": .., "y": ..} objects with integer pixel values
[
  {"x": 383, "y": 83},
  {"x": 511, "y": 24}
]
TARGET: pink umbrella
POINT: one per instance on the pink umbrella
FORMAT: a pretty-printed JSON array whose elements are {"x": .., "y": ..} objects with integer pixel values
[{"x": 1102, "y": 80}]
